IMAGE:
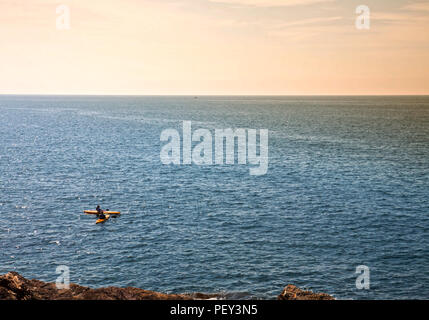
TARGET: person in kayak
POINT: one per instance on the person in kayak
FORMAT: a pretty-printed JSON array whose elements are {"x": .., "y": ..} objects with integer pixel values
[{"x": 100, "y": 213}]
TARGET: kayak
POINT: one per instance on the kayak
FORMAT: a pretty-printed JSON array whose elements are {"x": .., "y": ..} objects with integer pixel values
[
  {"x": 102, "y": 220},
  {"x": 105, "y": 212}
]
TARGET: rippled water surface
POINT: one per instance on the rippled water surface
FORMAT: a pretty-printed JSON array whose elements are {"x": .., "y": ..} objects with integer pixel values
[{"x": 347, "y": 185}]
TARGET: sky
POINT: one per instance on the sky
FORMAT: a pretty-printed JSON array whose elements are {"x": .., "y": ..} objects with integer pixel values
[{"x": 213, "y": 47}]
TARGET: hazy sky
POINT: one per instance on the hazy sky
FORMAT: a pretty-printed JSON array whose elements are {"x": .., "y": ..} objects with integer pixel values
[{"x": 214, "y": 47}]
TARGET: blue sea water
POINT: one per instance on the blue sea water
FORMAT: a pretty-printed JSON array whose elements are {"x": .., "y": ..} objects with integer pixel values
[{"x": 347, "y": 185}]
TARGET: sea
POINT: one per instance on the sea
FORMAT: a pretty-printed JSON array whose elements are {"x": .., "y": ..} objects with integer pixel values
[{"x": 342, "y": 209}]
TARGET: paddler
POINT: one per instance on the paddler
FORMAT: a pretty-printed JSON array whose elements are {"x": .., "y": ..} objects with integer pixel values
[{"x": 100, "y": 213}]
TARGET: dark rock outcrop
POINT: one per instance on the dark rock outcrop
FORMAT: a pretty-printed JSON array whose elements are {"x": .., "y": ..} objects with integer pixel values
[
  {"x": 13, "y": 286},
  {"x": 291, "y": 292}
]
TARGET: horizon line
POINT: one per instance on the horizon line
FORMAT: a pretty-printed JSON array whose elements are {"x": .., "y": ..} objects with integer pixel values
[{"x": 215, "y": 95}]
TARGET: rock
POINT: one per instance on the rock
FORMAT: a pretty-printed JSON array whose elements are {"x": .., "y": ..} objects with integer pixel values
[
  {"x": 291, "y": 292},
  {"x": 15, "y": 287}
]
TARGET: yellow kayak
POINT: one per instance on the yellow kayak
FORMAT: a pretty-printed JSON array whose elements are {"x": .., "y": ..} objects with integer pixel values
[
  {"x": 102, "y": 220},
  {"x": 105, "y": 212}
]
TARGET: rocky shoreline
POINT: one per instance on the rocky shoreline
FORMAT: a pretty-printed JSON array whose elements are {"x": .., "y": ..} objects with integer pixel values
[{"x": 13, "y": 286}]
